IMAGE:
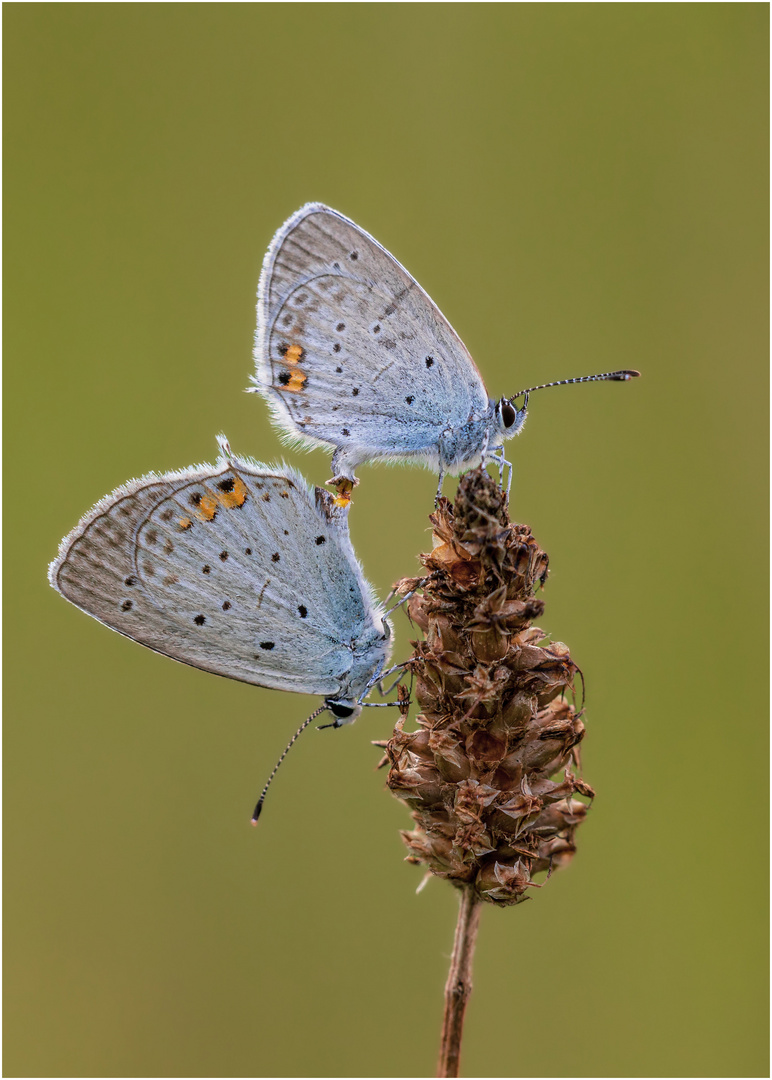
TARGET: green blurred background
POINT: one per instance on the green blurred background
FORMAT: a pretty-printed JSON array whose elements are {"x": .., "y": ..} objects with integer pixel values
[{"x": 580, "y": 187}]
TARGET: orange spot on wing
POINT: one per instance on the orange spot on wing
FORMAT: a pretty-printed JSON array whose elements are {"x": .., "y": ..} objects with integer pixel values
[
  {"x": 184, "y": 523},
  {"x": 207, "y": 508},
  {"x": 297, "y": 381},
  {"x": 293, "y": 354},
  {"x": 236, "y": 497}
]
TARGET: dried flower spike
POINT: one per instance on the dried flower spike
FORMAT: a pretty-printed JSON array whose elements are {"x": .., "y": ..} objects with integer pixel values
[{"x": 490, "y": 773}]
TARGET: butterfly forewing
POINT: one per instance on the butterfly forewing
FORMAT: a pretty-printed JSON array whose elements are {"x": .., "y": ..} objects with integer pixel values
[
  {"x": 350, "y": 345},
  {"x": 233, "y": 568}
]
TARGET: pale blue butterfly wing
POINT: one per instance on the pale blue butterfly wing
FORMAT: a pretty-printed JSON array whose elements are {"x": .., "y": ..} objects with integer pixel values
[
  {"x": 351, "y": 352},
  {"x": 236, "y": 568}
]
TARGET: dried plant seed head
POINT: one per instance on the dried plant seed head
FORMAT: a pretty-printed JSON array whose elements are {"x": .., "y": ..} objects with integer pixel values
[{"x": 489, "y": 774}]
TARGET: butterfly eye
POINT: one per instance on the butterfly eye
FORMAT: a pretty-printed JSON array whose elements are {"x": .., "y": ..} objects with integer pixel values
[
  {"x": 507, "y": 413},
  {"x": 341, "y": 711}
]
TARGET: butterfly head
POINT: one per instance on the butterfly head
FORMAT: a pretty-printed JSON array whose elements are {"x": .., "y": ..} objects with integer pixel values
[{"x": 509, "y": 418}]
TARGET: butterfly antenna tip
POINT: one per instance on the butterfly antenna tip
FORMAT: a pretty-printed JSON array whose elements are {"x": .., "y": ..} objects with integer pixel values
[{"x": 287, "y": 748}]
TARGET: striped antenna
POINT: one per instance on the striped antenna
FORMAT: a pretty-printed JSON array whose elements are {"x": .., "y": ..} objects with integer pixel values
[
  {"x": 608, "y": 376},
  {"x": 287, "y": 749}
]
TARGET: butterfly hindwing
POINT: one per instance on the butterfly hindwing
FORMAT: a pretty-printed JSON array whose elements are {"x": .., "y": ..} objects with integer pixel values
[{"x": 234, "y": 568}]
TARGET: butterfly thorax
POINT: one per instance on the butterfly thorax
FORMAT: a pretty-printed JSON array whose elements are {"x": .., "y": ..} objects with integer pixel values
[{"x": 462, "y": 447}]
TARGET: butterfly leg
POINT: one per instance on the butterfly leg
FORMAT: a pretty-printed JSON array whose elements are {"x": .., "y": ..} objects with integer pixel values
[
  {"x": 385, "y": 692},
  {"x": 419, "y": 584},
  {"x": 390, "y": 671},
  {"x": 438, "y": 496},
  {"x": 510, "y": 471},
  {"x": 497, "y": 456},
  {"x": 505, "y": 472},
  {"x": 505, "y": 468},
  {"x": 377, "y": 682}
]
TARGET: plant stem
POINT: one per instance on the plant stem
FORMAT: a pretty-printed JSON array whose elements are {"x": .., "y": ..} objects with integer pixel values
[{"x": 459, "y": 984}]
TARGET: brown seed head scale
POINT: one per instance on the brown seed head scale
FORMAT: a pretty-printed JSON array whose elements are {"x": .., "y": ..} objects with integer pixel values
[{"x": 489, "y": 774}]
